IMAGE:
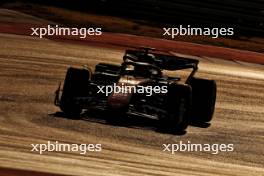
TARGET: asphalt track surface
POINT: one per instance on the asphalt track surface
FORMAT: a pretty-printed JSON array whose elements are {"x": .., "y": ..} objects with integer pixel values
[{"x": 30, "y": 69}]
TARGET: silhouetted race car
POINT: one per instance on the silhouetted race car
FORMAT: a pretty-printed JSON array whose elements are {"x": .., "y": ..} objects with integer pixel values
[{"x": 140, "y": 87}]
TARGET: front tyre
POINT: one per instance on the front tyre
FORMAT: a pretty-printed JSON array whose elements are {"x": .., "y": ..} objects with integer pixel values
[{"x": 75, "y": 85}]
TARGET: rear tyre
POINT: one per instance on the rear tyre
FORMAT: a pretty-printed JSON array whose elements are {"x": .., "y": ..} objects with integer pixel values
[
  {"x": 203, "y": 100},
  {"x": 178, "y": 108},
  {"x": 75, "y": 85}
]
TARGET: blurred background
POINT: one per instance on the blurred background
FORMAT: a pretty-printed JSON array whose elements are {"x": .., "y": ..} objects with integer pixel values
[{"x": 148, "y": 17}]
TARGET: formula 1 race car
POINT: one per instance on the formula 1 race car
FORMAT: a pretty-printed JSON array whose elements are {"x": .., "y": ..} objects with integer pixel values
[{"x": 151, "y": 94}]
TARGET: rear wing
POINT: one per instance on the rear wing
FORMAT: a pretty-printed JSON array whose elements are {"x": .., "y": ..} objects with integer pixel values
[{"x": 162, "y": 61}]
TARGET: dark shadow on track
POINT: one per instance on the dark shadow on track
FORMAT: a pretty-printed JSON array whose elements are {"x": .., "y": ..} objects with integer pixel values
[
  {"x": 121, "y": 120},
  {"x": 200, "y": 124}
]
